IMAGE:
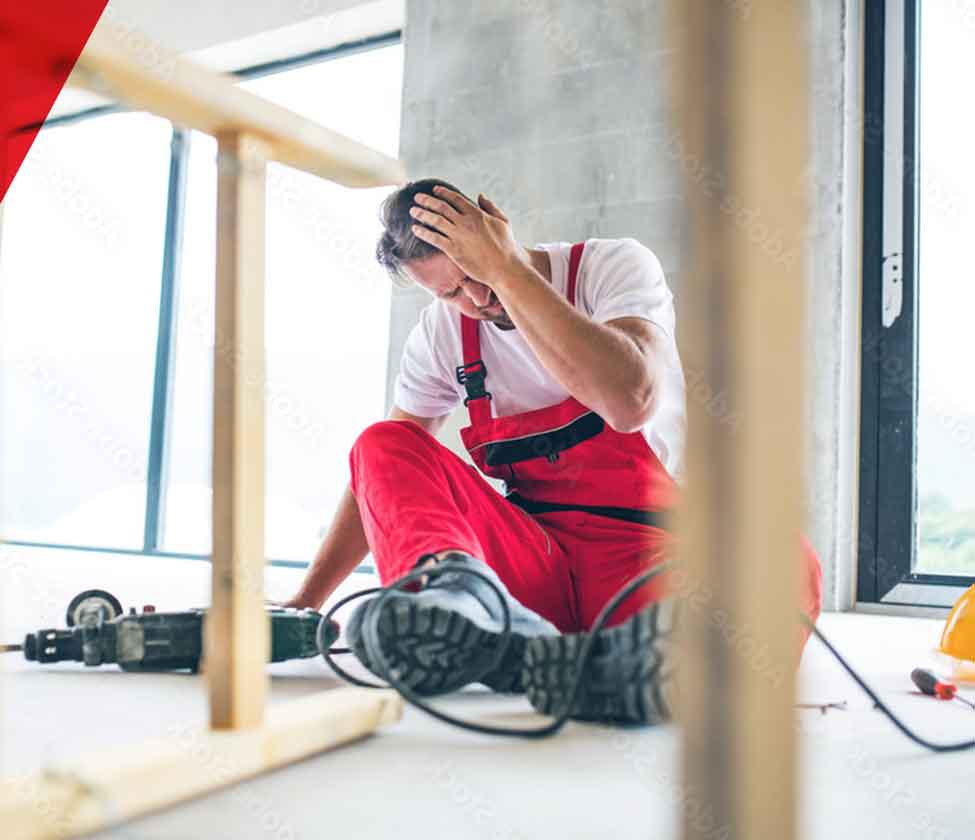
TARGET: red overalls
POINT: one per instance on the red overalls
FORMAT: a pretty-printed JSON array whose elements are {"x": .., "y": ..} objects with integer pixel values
[{"x": 415, "y": 496}]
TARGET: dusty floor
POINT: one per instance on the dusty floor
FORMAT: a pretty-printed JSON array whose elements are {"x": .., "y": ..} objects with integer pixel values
[{"x": 419, "y": 778}]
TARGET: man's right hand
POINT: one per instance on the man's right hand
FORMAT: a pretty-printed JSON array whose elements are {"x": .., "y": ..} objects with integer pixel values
[{"x": 301, "y": 601}]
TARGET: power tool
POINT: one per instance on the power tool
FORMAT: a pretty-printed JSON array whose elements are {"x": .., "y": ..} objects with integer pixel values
[{"x": 99, "y": 632}]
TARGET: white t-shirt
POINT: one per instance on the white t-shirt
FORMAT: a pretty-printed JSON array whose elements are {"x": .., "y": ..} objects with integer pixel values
[{"x": 617, "y": 278}]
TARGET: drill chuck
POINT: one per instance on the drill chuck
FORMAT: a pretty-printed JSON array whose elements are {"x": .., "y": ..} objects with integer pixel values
[{"x": 53, "y": 646}]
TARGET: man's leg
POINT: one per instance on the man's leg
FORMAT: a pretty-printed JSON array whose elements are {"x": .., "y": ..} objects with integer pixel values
[
  {"x": 606, "y": 554},
  {"x": 810, "y": 589},
  {"x": 609, "y": 553},
  {"x": 417, "y": 499},
  {"x": 628, "y": 677}
]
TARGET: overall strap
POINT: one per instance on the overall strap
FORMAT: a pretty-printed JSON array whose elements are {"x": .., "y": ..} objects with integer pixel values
[
  {"x": 575, "y": 257},
  {"x": 472, "y": 373}
]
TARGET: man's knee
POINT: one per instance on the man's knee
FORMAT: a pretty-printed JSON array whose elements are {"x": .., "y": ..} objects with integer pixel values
[
  {"x": 812, "y": 572},
  {"x": 386, "y": 436}
]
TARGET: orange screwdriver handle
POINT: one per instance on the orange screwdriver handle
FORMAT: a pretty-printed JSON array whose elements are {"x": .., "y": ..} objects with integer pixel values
[{"x": 930, "y": 684}]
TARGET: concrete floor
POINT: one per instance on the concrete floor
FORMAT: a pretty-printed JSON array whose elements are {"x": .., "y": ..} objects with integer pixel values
[{"x": 420, "y": 778}]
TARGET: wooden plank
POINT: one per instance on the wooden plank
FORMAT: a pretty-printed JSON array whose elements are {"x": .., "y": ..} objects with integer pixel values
[
  {"x": 123, "y": 64},
  {"x": 105, "y": 788},
  {"x": 741, "y": 100},
  {"x": 237, "y": 631}
]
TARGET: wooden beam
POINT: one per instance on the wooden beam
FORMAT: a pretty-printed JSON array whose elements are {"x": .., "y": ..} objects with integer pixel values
[
  {"x": 103, "y": 789},
  {"x": 741, "y": 104},
  {"x": 237, "y": 631},
  {"x": 123, "y": 64}
]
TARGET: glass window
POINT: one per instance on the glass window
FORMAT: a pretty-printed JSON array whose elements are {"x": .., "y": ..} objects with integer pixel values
[
  {"x": 83, "y": 232},
  {"x": 327, "y": 316},
  {"x": 946, "y": 297}
]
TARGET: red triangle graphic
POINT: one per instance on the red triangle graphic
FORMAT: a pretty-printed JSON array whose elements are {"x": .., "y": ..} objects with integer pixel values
[{"x": 40, "y": 41}]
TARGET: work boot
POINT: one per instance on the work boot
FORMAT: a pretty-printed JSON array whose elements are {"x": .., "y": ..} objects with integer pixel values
[
  {"x": 446, "y": 635},
  {"x": 627, "y": 679}
]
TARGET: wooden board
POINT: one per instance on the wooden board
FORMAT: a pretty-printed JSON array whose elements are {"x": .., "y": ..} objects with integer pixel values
[
  {"x": 237, "y": 631},
  {"x": 123, "y": 64},
  {"x": 741, "y": 103},
  {"x": 106, "y": 788}
]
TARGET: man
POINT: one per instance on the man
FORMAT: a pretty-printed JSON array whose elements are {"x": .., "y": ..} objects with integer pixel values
[{"x": 566, "y": 359}]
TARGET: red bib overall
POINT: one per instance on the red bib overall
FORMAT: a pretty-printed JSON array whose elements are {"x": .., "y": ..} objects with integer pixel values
[
  {"x": 582, "y": 514},
  {"x": 565, "y": 453}
]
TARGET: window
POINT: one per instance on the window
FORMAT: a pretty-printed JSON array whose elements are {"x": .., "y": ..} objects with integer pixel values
[
  {"x": 917, "y": 507},
  {"x": 82, "y": 246},
  {"x": 327, "y": 315},
  {"x": 107, "y": 333}
]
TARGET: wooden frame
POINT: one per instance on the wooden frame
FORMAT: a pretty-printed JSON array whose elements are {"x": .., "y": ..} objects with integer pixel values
[
  {"x": 741, "y": 101},
  {"x": 238, "y": 640},
  {"x": 124, "y": 65},
  {"x": 99, "y": 790}
]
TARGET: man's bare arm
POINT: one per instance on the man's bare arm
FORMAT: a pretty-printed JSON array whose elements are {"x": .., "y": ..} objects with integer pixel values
[
  {"x": 611, "y": 368},
  {"x": 345, "y": 546}
]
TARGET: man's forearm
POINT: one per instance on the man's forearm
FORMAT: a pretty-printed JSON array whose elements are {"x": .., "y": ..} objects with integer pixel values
[
  {"x": 600, "y": 366},
  {"x": 341, "y": 551}
]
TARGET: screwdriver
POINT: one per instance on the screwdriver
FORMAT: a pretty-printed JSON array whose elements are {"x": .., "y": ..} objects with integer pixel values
[{"x": 929, "y": 683}]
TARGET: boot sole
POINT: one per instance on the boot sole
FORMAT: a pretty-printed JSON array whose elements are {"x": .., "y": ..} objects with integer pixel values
[
  {"x": 627, "y": 680},
  {"x": 436, "y": 651}
]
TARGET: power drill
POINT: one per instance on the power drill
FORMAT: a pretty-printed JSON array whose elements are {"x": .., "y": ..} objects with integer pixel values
[{"x": 100, "y": 632}]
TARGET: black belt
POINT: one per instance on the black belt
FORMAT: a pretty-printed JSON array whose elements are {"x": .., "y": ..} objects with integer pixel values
[{"x": 654, "y": 518}]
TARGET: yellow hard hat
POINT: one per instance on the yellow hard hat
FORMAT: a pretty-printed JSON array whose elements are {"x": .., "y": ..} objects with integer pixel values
[{"x": 958, "y": 636}]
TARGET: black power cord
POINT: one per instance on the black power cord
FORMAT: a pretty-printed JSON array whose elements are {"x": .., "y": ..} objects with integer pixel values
[
  {"x": 373, "y": 644},
  {"x": 882, "y": 707},
  {"x": 370, "y": 630}
]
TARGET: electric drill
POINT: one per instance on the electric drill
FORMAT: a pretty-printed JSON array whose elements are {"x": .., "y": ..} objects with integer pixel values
[{"x": 99, "y": 633}]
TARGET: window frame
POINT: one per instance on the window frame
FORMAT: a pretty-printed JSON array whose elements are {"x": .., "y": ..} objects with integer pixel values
[
  {"x": 889, "y": 340},
  {"x": 164, "y": 371}
]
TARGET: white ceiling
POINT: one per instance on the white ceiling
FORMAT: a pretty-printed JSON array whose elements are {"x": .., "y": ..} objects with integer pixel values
[{"x": 189, "y": 25}]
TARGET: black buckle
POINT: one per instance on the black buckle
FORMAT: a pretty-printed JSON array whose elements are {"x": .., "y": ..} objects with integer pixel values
[{"x": 472, "y": 378}]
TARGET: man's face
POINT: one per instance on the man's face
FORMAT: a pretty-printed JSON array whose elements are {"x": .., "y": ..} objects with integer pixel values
[{"x": 440, "y": 276}]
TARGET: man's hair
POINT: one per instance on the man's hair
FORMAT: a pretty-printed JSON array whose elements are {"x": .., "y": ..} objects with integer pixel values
[{"x": 397, "y": 243}]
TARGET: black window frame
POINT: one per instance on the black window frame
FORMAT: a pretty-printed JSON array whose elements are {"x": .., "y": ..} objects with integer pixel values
[
  {"x": 888, "y": 358},
  {"x": 163, "y": 376}
]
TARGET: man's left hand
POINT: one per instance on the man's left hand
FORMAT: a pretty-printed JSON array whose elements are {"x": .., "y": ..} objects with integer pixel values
[{"x": 477, "y": 237}]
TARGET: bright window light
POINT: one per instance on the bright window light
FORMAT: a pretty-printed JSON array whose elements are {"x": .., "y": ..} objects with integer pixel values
[
  {"x": 946, "y": 340},
  {"x": 327, "y": 316},
  {"x": 80, "y": 261}
]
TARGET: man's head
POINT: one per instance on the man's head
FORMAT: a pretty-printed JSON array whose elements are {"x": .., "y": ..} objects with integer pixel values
[{"x": 408, "y": 258}]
